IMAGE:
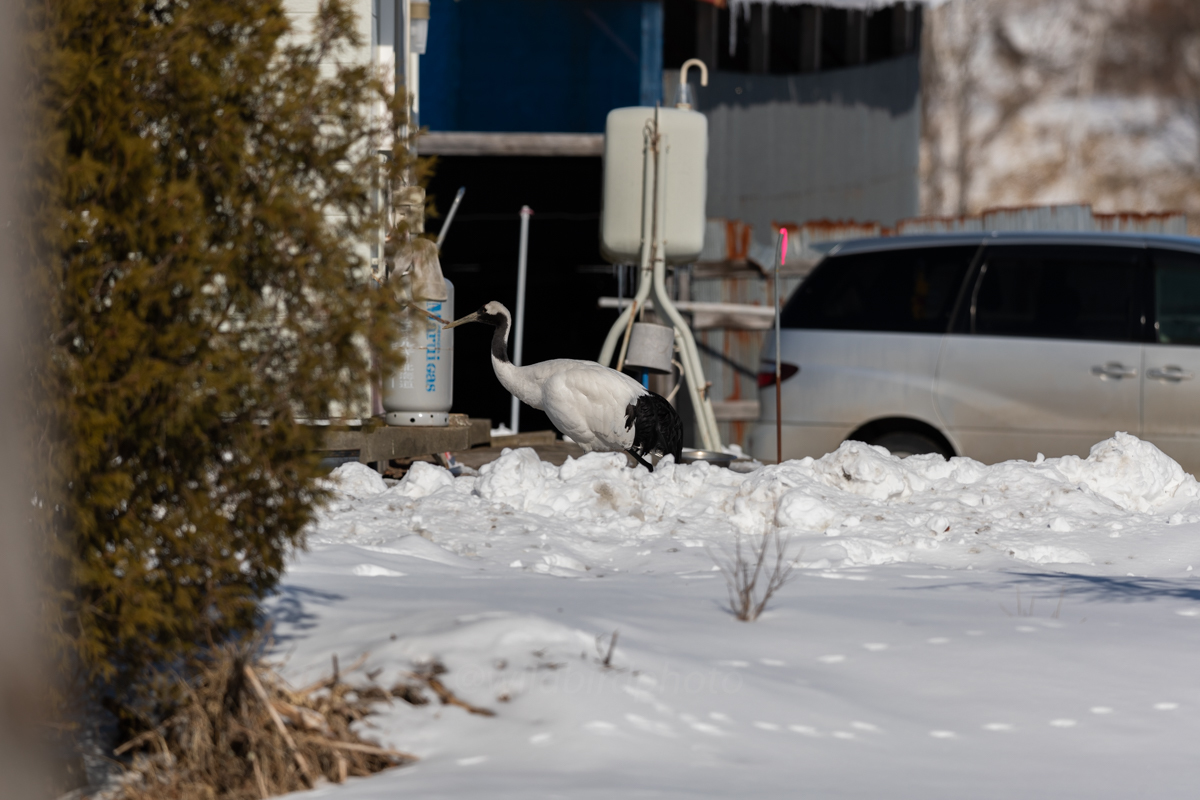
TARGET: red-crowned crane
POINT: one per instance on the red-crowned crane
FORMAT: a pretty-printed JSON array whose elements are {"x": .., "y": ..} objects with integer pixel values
[{"x": 597, "y": 407}]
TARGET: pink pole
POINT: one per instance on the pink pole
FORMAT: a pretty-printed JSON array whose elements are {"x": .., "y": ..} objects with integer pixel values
[{"x": 783, "y": 242}]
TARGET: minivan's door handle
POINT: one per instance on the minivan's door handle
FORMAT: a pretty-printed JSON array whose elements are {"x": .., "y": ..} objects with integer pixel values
[
  {"x": 1170, "y": 373},
  {"x": 1114, "y": 369}
]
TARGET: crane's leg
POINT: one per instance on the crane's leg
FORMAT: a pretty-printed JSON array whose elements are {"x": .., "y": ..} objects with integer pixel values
[{"x": 641, "y": 460}]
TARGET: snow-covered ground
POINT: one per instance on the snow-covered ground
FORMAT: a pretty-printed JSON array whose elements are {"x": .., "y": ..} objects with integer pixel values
[{"x": 955, "y": 630}]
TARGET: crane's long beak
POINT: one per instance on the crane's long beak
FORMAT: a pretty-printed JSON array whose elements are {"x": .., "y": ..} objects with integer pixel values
[{"x": 461, "y": 321}]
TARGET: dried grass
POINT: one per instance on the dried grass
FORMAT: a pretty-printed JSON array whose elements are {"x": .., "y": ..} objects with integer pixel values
[{"x": 241, "y": 733}]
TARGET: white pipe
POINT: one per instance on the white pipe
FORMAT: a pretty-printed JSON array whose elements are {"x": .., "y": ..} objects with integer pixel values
[
  {"x": 406, "y": 82},
  {"x": 696, "y": 305},
  {"x": 403, "y": 46},
  {"x": 415, "y": 80},
  {"x": 694, "y": 62},
  {"x": 450, "y": 216},
  {"x": 710, "y": 435},
  {"x": 644, "y": 280},
  {"x": 519, "y": 336}
]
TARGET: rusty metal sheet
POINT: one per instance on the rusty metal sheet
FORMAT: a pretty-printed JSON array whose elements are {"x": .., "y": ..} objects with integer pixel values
[{"x": 1169, "y": 222}]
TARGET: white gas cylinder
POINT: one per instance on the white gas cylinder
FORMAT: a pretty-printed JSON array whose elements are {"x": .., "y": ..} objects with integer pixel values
[{"x": 421, "y": 391}]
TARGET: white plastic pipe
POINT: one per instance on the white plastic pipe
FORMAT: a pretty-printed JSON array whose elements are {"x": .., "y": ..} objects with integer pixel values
[
  {"x": 519, "y": 323},
  {"x": 694, "y": 62},
  {"x": 450, "y": 216},
  {"x": 645, "y": 283},
  {"x": 706, "y": 422},
  {"x": 693, "y": 306}
]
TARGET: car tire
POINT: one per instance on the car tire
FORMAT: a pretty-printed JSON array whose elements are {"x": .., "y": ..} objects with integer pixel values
[{"x": 906, "y": 443}]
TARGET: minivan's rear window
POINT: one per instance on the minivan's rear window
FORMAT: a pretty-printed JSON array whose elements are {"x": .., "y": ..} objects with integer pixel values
[
  {"x": 903, "y": 291},
  {"x": 1176, "y": 297},
  {"x": 1059, "y": 292}
]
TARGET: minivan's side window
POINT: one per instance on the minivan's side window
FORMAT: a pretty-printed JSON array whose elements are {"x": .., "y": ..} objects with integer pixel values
[
  {"x": 1176, "y": 297},
  {"x": 903, "y": 291},
  {"x": 1059, "y": 292}
]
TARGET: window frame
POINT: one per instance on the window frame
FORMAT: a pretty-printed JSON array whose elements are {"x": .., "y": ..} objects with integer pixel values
[
  {"x": 1151, "y": 293},
  {"x": 1140, "y": 332},
  {"x": 832, "y": 260}
]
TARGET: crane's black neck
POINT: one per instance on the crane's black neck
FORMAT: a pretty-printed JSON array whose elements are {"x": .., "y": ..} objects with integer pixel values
[{"x": 499, "y": 338}]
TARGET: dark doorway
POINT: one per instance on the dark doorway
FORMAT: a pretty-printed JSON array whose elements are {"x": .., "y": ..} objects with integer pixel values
[{"x": 566, "y": 273}]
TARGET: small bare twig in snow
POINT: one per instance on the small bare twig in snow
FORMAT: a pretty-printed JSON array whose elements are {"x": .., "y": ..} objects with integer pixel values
[
  {"x": 755, "y": 572},
  {"x": 606, "y": 661}
]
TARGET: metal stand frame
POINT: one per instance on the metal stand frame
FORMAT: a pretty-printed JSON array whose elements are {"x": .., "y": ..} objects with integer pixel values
[{"x": 653, "y": 277}]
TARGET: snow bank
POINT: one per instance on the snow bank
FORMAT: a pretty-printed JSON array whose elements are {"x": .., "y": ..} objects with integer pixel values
[
  {"x": 357, "y": 480},
  {"x": 856, "y": 506},
  {"x": 422, "y": 480},
  {"x": 1134, "y": 474}
]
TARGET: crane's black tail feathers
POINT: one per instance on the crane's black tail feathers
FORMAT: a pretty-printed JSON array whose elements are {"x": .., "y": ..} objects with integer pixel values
[{"x": 656, "y": 428}]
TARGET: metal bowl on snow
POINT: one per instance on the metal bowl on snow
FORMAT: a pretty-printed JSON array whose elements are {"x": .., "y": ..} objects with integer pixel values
[{"x": 709, "y": 456}]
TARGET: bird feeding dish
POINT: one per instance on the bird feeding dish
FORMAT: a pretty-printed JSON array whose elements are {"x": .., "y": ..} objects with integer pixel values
[
  {"x": 651, "y": 347},
  {"x": 708, "y": 456}
]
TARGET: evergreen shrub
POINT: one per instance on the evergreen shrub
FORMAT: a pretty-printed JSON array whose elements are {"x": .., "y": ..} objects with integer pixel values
[{"x": 205, "y": 184}]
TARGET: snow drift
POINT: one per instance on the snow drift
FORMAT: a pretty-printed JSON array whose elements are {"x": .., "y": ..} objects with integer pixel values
[{"x": 856, "y": 506}]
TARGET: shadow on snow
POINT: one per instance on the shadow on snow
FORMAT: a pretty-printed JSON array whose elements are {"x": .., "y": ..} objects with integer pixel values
[
  {"x": 288, "y": 607},
  {"x": 1105, "y": 588}
]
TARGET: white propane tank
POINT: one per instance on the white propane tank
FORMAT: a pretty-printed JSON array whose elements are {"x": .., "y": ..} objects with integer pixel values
[{"x": 421, "y": 392}]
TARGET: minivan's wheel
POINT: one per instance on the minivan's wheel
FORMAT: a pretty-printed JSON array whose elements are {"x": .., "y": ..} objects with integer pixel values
[{"x": 906, "y": 443}]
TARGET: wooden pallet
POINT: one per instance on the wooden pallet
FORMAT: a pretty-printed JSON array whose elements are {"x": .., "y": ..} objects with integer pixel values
[{"x": 381, "y": 443}]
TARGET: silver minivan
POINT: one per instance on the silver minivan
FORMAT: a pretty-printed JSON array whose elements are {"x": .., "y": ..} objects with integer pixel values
[{"x": 991, "y": 345}]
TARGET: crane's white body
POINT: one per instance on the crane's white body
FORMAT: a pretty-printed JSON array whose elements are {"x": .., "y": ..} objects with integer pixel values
[{"x": 586, "y": 401}]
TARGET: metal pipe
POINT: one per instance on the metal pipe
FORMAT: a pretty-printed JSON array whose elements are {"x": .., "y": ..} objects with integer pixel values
[
  {"x": 694, "y": 62},
  {"x": 710, "y": 435},
  {"x": 644, "y": 279},
  {"x": 450, "y": 216},
  {"x": 399, "y": 37},
  {"x": 625, "y": 341},
  {"x": 401, "y": 34},
  {"x": 414, "y": 80},
  {"x": 694, "y": 306},
  {"x": 519, "y": 336},
  {"x": 779, "y": 259}
]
